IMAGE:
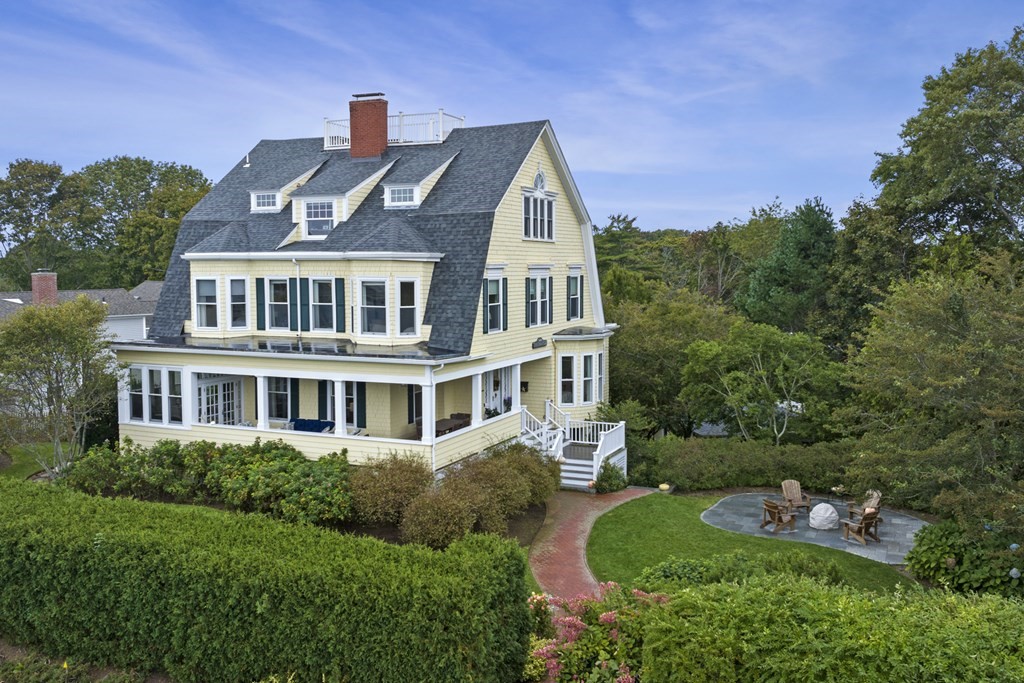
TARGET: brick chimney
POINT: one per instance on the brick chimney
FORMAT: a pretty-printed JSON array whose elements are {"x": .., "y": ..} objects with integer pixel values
[
  {"x": 44, "y": 288},
  {"x": 368, "y": 125}
]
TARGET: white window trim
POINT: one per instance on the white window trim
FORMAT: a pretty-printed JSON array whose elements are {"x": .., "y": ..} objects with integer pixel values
[
  {"x": 165, "y": 396},
  {"x": 501, "y": 307},
  {"x": 575, "y": 379},
  {"x": 543, "y": 305},
  {"x": 195, "y": 302},
  {"x": 318, "y": 200},
  {"x": 360, "y": 281},
  {"x": 416, "y": 306},
  {"x": 248, "y": 309},
  {"x": 312, "y": 305},
  {"x": 268, "y": 287},
  {"x": 535, "y": 193},
  {"x": 599, "y": 376},
  {"x": 577, "y": 275},
  {"x": 390, "y": 204},
  {"x": 583, "y": 379},
  {"x": 276, "y": 208}
]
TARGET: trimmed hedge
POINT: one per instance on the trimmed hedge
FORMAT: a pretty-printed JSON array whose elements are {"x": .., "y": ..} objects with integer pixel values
[
  {"x": 212, "y": 596},
  {"x": 699, "y": 464},
  {"x": 945, "y": 556},
  {"x": 791, "y": 629},
  {"x": 677, "y": 572}
]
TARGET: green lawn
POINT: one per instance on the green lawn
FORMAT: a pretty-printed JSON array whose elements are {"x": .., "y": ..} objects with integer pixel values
[
  {"x": 649, "y": 530},
  {"x": 23, "y": 463}
]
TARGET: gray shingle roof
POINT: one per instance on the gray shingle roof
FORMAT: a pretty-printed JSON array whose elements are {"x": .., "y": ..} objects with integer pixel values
[
  {"x": 118, "y": 301},
  {"x": 148, "y": 290},
  {"x": 455, "y": 219}
]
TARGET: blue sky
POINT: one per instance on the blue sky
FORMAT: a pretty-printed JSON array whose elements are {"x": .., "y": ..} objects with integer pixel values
[{"x": 680, "y": 113}]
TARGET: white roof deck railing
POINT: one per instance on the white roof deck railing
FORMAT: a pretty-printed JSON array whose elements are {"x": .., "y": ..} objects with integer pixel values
[{"x": 403, "y": 129}]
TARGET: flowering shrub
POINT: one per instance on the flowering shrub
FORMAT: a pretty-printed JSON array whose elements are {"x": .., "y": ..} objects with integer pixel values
[
  {"x": 540, "y": 615},
  {"x": 598, "y": 638}
]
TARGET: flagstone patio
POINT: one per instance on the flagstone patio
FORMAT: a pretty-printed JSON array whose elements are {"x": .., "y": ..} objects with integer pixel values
[{"x": 742, "y": 513}]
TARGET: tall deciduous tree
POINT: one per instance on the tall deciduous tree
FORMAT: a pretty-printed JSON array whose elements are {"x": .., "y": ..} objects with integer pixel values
[
  {"x": 961, "y": 167},
  {"x": 938, "y": 384},
  {"x": 649, "y": 350},
  {"x": 56, "y": 377},
  {"x": 760, "y": 380},
  {"x": 787, "y": 289}
]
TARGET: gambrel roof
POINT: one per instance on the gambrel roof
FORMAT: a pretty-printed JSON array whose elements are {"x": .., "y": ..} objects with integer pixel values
[{"x": 453, "y": 221}]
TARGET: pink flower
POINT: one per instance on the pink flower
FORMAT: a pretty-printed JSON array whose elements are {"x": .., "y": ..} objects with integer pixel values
[
  {"x": 607, "y": 617},
  {"x": 570, "y": 628}
]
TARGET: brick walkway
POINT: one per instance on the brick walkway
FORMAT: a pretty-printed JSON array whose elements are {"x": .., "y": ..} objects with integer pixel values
[{"x": 558, "y": 555}]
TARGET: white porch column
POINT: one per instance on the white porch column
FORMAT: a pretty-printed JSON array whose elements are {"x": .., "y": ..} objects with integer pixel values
[
  {"x": 263, "y": 408},
  {"x": 478, "y": 398},
  {"x": 429, "y": 410},
  {"x": 516, "y": 398},
  {"x": 340, "y": 428},
  {"x": 188, "y": 397}
]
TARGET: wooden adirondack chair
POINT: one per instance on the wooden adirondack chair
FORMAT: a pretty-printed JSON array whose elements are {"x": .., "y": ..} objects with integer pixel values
[
  {"x": 777, "y": 514},
  {"x": 863, "y": 527},
  {"x": 872, "y": 500},
  {"x": 795, "y": 498}
]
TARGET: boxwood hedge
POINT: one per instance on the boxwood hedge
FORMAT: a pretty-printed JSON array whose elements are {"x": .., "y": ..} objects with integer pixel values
[{"x": 214, "y": 596}]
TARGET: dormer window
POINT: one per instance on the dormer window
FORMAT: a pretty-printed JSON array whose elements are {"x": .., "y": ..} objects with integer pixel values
[
  {"x": 319, "y": 219},
  {"x": 406, "y": 195},
  {"x": 265, "y": 201}
]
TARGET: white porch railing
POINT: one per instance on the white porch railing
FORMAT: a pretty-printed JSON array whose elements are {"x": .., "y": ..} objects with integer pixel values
[
  {"x": 403, "y": 129},
  {"x": 549, "y": 439},
  {"x": 611, "y": 442}
]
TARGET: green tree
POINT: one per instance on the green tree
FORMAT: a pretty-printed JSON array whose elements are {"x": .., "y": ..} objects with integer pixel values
[
  {"x": 938, "y": 392},
  {"x": 871, "y": 253},
  {"x": 649, "y": 350},
  {"x": 787, "y": 289},
  {"x": 961, "y": 167},
  {"x": 147, "y": 236},
  {"x": 56, "y": 377},
  {"x": 760, "y": 380},
  {"x": 37, "y": 207}
]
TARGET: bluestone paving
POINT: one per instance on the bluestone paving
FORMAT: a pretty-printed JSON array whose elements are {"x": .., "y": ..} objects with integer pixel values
[{"x": 742, "y": 513}]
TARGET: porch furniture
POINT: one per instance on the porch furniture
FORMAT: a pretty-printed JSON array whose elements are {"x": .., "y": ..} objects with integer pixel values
[
  {"x": 301, "y": 424},
  {"x": 872, "y": 500},
  {"x": 823, "y": 516},
  {"x": 778, "y": 514},
  {"x": 795, "y": 498},
  {"x": 864, "y": 527}
]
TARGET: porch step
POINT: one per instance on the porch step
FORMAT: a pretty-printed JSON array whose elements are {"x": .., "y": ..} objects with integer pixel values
[{"x": 576, "y": 474}]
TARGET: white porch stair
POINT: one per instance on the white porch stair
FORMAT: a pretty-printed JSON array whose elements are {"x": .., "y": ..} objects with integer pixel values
[{"x": 581, "y": 446}]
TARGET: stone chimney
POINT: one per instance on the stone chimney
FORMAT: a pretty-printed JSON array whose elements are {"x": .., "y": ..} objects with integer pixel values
[
  {"x": 44, "y": 288},
  {"x": 368, "y": 125}
]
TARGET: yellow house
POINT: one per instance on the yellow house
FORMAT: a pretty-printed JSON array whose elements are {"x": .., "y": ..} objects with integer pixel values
[{"x": 404, "y": 284}]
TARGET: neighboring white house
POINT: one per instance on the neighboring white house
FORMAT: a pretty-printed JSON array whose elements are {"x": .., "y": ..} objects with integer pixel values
[{"x": 129, "y": 313}]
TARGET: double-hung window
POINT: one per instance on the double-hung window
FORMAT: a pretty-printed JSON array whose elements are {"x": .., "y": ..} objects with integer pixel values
[
  {"x": 538, "y": 301},
  {"x": 238, "y": 290},
  {"x": 600, "y": 377},
  {"x": 135, "y": 398},
  {"x": 567, "y": 380},
  {"x": 407, "y": 309},
  {"x": 495, "y": 307},
  {"x": 373, "y": 307},
  {"x": 278, "y": 398},
  {"x": 206, "y": 303},
  {"x": 574, "y": 297},
  {"x": 174, "y": 396},
  {"x": 156, "y": 395},
  {"x": 319, "y": 218},
  {"x": 278, "y": 304},
  {"x": 587, "y": 378},
  {"x": 323, "y": 305}
]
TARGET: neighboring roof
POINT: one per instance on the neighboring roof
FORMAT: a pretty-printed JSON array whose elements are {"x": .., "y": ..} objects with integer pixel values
[
  {"x": 455, "y": 219},
  {"x": 118, "y": 301},
  {"x": 148, "y": 290}
]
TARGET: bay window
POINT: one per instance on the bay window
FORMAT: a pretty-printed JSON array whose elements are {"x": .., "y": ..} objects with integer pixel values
[{"x": 373, "y": 307}]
